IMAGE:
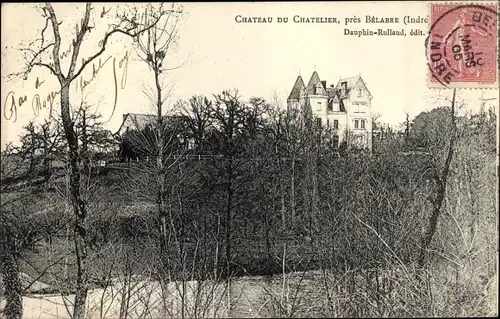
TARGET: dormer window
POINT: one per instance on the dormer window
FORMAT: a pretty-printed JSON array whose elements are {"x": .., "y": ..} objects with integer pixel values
[
  {"x": 344, "y": 87},
  {"x": 319, "y": 89}
]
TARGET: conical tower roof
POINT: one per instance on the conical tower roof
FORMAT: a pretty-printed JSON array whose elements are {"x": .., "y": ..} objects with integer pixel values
[
  {"x": 313, "y": 82},
  {"x": 297, "y": 89}
]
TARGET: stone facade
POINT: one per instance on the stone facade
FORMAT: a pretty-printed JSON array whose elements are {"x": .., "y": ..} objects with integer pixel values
[{"x": 344, "y": 107}]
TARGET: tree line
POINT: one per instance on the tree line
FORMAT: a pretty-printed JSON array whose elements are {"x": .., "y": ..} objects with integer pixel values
[{"x": 276, "y": 184}]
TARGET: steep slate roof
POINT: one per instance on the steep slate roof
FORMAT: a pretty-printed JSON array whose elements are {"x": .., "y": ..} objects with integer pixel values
[
  {"x": 351, "y": 82},
  {"x": 140, "y": 121},
  {"x": 297, "y": 88},
  {"x": 334, "y": 97},
  {"x": 310, "y": 89},
  {"x": 334, "y": 93}
]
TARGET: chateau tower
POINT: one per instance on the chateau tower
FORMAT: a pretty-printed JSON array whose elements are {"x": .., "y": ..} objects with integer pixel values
[{"x": 344, "y": 107}]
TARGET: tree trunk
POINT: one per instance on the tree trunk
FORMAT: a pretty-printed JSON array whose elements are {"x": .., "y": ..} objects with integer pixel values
[
  {"x": 12, "y": 284},
  {"x": 314, "y": 194},
  {"x": 32, "y": 153},
  {"x": 281, "y": 185},
  {"x": 85, "y": 154},
  {"x": 292, "y": 191},
  {"x": 470, "y": 192},
  {"x": 46, "y": 161},
  {"x": 229, "y": 203},
  {"x": 228, "y": 215},
  {"x": 46, "y": 168},
  {"x": 268, "y": 238},
  {"x": 78, "y": 205},
  {"x": 160, "y": 162},
  {"x": 283, "y": 205},
  {"x": 441, "y": 191}
]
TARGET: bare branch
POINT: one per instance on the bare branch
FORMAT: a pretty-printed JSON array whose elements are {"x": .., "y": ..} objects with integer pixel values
[
  {"x": 126, "y": 31},
  {"x": 57, "y": 44},
  {"x": 48, "y": 67},
  {"x": 79, "y": 39}
]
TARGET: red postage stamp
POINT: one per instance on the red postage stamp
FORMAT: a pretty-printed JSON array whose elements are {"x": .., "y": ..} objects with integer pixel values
[{"x": 462, "y": 45}]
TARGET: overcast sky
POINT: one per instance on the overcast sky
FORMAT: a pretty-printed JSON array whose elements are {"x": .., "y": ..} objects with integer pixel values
[{"x": 216, "y": 53}]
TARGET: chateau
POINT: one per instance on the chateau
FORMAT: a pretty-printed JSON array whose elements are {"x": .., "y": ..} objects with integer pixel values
[{"x": 344, "y": 107}]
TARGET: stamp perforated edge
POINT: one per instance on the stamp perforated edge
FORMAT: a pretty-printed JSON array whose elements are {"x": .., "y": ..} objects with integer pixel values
[{"x": 464, "y": 85}]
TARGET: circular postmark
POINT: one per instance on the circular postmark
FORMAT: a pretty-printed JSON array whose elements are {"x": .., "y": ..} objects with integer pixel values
[{"x": 462, "y": 45}]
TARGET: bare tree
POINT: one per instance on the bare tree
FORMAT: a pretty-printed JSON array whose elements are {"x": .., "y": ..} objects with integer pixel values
[
  {"x": 198, "y": 114},
  {"x": 22, "y": 225},
  {"x": 230, "y": 121},
  {"x": 11, "y": 168},
  {"x": 288, "y": 126},
  {"x": 40, "y": 144},
  {"x": 407, "y": 127},
  {"x": 441, "y": 171},
  {"x": 30, "y": 144},
  {"x": 91, "y": 135},
  {"x": 154, "y": 49},
  {"x": 36, "y": 56},
  {"x": 52, "y": 145}
]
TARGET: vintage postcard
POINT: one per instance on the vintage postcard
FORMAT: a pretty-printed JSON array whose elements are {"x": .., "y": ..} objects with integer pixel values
[{"x": 252, "y": 159}]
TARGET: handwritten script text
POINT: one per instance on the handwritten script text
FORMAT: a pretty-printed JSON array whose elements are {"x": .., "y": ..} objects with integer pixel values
[{"x": 13, "y": 102}]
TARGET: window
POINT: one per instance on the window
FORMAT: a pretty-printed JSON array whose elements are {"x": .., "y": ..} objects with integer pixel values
[
  {"x": 336, "y": 124},
  {"x": 362, "y": 124},
  {"x": 335, "y": 141},
  {"x": 318, "y": 121},
  {"x": 360, "y": 92},
  {"x": 327, "y": 122},
  {"x": 319, "y": 106},
  {"x": 356, "y": 123},
  {"x": 330, "y": 106},
  {"x": 319, "y": 89},
  {"x": 344, "y": 87}
]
